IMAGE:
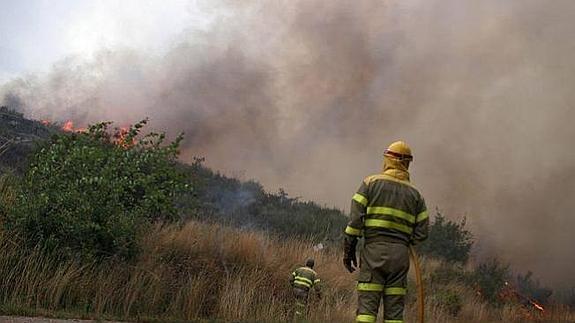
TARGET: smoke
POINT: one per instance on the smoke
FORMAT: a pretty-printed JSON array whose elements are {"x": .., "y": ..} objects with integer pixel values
[{"x": 306, "y": 94}]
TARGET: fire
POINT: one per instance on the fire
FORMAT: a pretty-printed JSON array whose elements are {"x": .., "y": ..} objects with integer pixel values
[
  {"x": 537, "y": 306},
  {"x": 68, "y": 126},
  {"x": 509, "y": 292},
  {"x": 120, "y": 137}
]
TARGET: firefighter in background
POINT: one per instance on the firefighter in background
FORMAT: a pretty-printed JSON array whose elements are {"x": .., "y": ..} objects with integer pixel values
[
  {"x": 390, "y": 214},
  {"x": 303, "y": 280}
]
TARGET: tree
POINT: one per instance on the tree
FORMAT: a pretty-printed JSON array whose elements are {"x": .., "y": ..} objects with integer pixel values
[
  {"x": 448, "y": 240},
  {"x": 95, "y": 192}
]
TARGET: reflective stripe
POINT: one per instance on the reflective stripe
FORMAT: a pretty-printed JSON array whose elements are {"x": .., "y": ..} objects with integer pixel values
[
  {"x": 395, "y": 291},
  {"x": 422, "y": 216},
  {"x": 376, "y": 223},
  {"x": 303, "y": 279},
  {"x": 353, "y": 231},
  {"x": 391, "y": 211},
  {"x": 369, "y": 287},
  {"x": 393, "y": 321},
  {"x": 316, "y": 281},
  {"x": 365, "y": 318},
  {"x": 301, "y": 283},
  {"x": 360, "y": 199}
]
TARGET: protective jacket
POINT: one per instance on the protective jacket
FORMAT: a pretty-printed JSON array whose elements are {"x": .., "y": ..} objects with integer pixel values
[
  {"x": 390, "y": 209},
  {"x": 390, "y": 214},
  {"x": 303, "y": 280}
]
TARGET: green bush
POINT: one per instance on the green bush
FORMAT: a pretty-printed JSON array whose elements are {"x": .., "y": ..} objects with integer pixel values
[
  {"x": 490, "y": 278},
  {"x": 94, "y": 192},
  {"x": 448, "y": 240}
]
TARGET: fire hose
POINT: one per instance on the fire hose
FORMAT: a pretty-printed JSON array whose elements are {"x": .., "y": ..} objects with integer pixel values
[{"x": 420, "y": 294}]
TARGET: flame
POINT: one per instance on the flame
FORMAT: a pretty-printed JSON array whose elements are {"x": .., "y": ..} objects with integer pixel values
[
  {"x": 68, "y": 126},
  {"x": 537, "y": 306},
  {"x": 509, "y": 292},
  {"x": 120, "y": 136}
]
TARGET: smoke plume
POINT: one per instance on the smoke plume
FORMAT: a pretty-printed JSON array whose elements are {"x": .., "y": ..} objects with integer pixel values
[{"x": 306, "y": 94}]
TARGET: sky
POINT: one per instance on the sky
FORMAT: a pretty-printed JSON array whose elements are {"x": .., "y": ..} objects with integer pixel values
[{"x": 34, "y": 34}]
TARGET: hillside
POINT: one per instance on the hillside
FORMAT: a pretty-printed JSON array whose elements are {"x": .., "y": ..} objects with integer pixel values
[
  {"x": 216, "y": 197},
  {"x": 17, "y": 137},
  {"x": 226, "y": 256}
]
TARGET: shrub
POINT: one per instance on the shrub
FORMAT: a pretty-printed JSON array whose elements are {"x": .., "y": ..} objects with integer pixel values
[
  {"x": 448, "y": 240},
  {"x": 248, "y": 205},
  {"x": 490, "y": 278},
  {"x": 94, "y": 192}
]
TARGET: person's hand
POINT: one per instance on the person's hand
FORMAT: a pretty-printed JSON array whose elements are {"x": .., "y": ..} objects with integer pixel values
[
  {"x": 350, "y": 262},
  {"x": 349, "y": 258}
]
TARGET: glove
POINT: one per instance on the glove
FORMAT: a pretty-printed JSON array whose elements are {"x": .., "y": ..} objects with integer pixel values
[{"x": 349, "y": 259}]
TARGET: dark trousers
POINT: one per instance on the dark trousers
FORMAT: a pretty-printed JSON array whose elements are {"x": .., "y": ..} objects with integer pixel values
[
  {"x": 300, "y": 303},
  {"x": 382, "y": 277}
]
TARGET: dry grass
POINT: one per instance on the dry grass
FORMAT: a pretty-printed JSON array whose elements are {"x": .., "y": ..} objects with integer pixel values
[{"x": 204, "y": 271}]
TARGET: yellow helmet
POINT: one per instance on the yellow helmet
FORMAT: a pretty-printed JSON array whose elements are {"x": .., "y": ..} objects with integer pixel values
[{"x": 399, "y": 150}]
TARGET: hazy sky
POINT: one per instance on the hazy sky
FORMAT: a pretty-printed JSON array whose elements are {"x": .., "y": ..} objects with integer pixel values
[{"x": 36, "y": 33}]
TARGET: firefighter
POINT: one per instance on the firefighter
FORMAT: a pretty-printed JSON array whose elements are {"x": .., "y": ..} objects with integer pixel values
[
  {"x": 303, "y": 280},
  {"x": 390, "y": 214}
]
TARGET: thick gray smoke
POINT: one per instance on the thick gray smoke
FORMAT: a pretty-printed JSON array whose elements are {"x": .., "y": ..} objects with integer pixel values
[{"x": 306, "y": 94}]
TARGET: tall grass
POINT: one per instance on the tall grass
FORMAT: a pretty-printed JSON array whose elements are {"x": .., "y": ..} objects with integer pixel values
[
  {"x": 196, "y": 271},
  {"x": 203, "y": 271}
]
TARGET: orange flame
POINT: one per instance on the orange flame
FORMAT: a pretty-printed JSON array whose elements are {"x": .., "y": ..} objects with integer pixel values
[
  {"x": 537, "y": 306},
  {"x": 120, "y": 137},
  {"x": 68, "y": 126},
  {"x": 511, "y": 292}
]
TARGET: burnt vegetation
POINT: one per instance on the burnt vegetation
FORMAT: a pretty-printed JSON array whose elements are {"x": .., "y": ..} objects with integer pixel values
[{"x": 84, "y": 212}]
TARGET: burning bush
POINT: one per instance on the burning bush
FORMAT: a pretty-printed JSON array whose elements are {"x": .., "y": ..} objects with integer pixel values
[{"x": 93, "y": 192}]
